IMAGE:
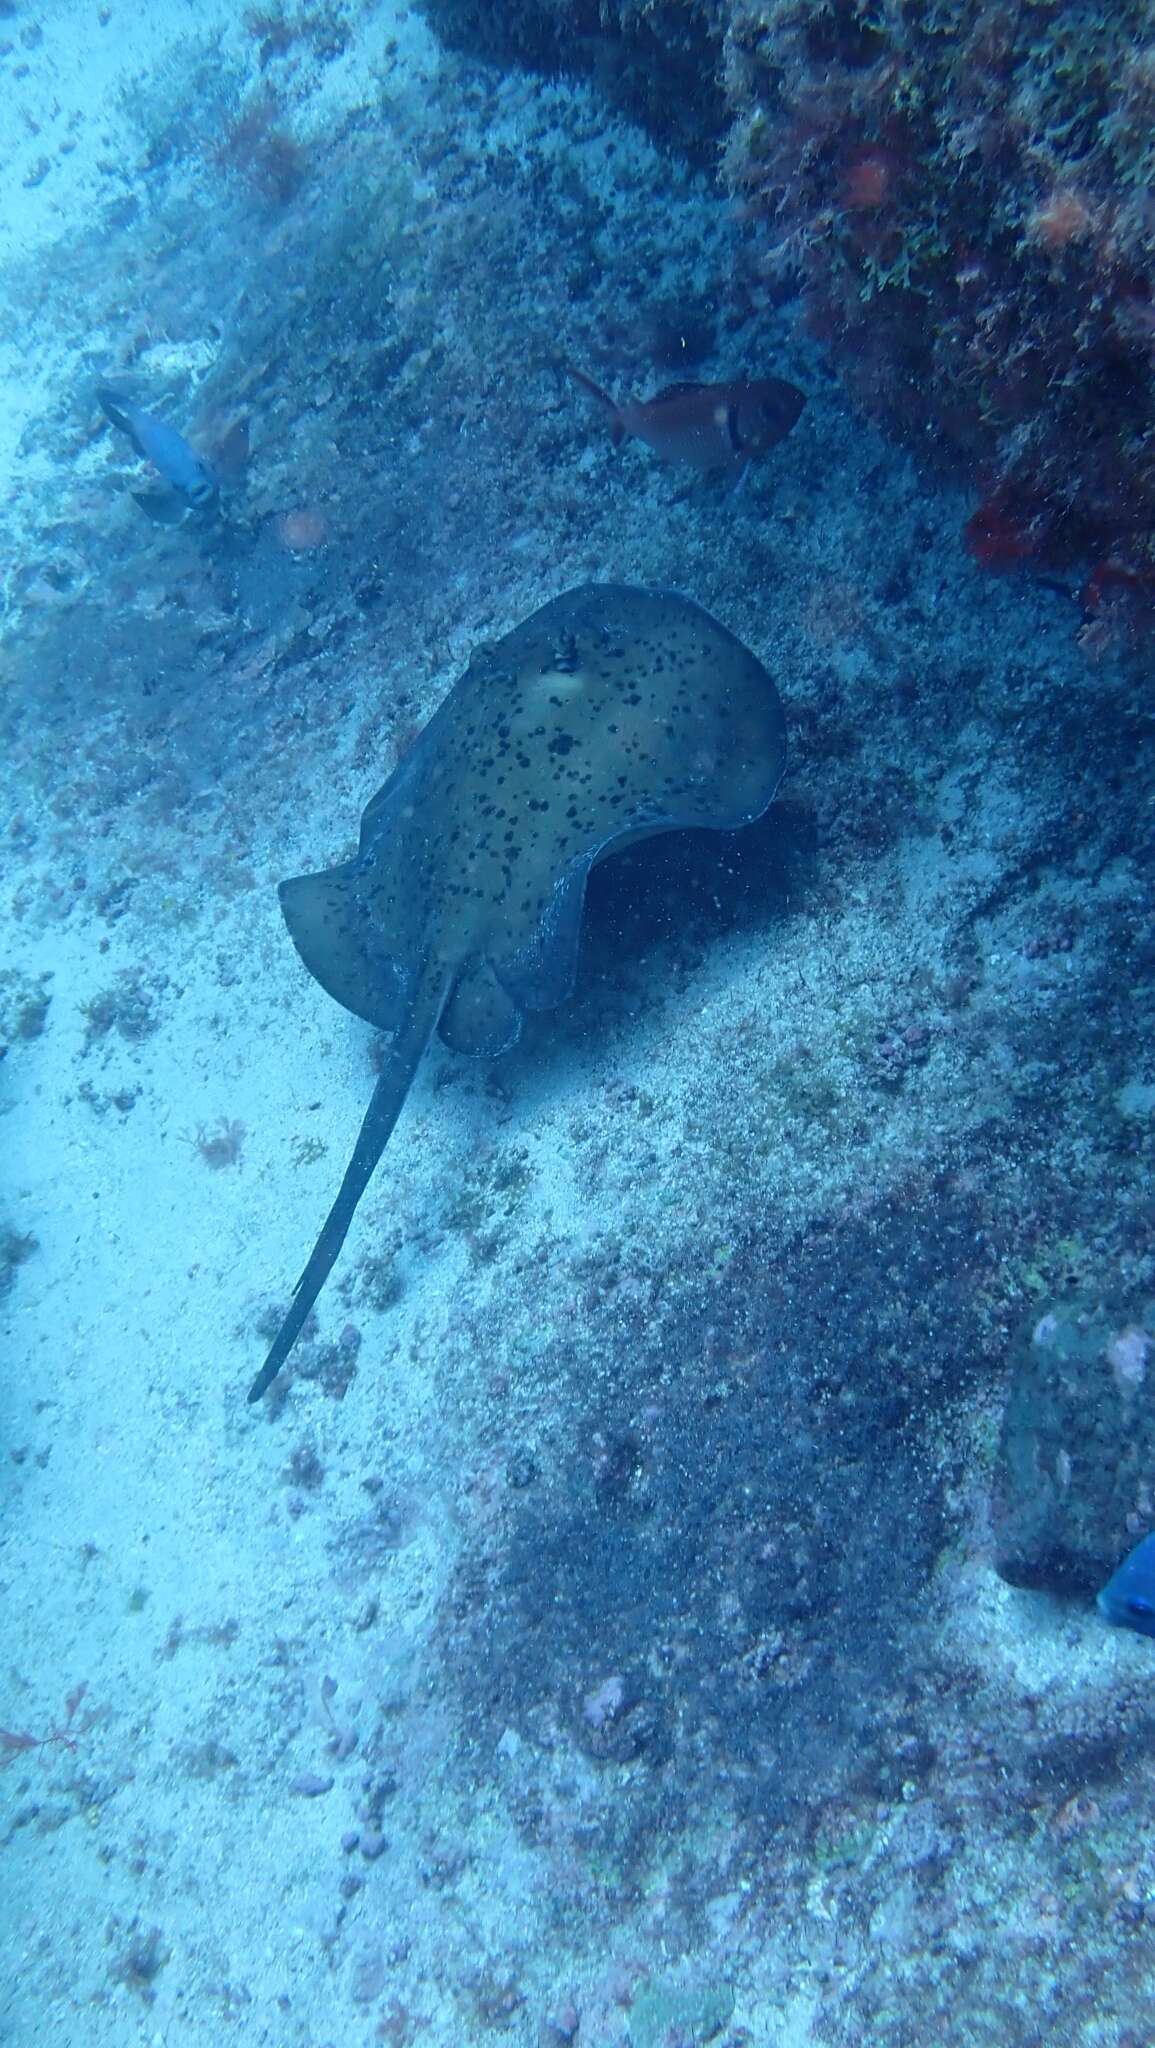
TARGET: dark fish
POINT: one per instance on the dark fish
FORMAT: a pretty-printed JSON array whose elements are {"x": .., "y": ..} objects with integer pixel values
[
  {"x": 1128, "y": 1599},
  {"x": 714, "y": 426},
  {"x": 192, "y": 485},
  {"x": 607, "y": 716}
]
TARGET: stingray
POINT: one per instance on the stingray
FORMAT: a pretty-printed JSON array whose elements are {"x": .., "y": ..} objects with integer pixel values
[{"x": 611, "y": 714}]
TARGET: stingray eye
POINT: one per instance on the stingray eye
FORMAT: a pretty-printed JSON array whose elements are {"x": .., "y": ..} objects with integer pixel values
[
  {"x": 565, "y": 656},
  {"x": 1138, "y": 1605}
]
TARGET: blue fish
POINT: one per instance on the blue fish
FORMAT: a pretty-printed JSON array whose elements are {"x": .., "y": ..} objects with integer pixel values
[
  {"x": 1128, "y": 1599},
  {"x": 192, "y": 485}
]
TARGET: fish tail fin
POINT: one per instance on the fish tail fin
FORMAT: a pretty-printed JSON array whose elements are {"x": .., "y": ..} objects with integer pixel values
[
  {"x": 401, "y": 1061},
  {"x": 602, "y": 398},
  {"x": 112, "y": 404}
]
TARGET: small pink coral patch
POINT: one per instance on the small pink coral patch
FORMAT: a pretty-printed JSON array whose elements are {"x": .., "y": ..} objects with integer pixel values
[{"x": 302, "y": 530}]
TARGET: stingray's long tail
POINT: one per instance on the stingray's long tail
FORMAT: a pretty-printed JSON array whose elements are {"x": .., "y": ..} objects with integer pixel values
[{"x": 401, "y": 1062}]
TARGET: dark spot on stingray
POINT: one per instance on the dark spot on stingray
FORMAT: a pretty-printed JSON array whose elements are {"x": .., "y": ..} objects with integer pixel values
[{"x": 394, "y": 935}]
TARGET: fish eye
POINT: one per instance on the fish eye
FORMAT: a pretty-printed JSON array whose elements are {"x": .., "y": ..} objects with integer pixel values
[{"x": 1137, "y": 1605}]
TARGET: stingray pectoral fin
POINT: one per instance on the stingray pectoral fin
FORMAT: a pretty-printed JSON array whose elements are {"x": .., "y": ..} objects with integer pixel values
[
  {"x": 401, "y": 1062},
  {"x": 342, "y": 945}
]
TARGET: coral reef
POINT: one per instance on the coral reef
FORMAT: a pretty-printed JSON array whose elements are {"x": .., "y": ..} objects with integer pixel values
[
  {"x": 964, "y": 193},
  {"x": 964, "y": 190}
]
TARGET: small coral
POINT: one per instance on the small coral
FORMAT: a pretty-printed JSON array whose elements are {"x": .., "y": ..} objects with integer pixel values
[
  {"x": 221, "y": 1147},
  {"x": 128, "y": 1008},
  {"x": 256, "y": 149},
  {"x": 24, "y": 1002},
  {"x": 14, "y": 1250},
  {"x": 141, "y": 1961}
]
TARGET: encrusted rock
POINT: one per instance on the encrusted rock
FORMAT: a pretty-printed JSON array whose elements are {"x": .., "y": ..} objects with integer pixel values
[{"x": 1075, "y": 1481}]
